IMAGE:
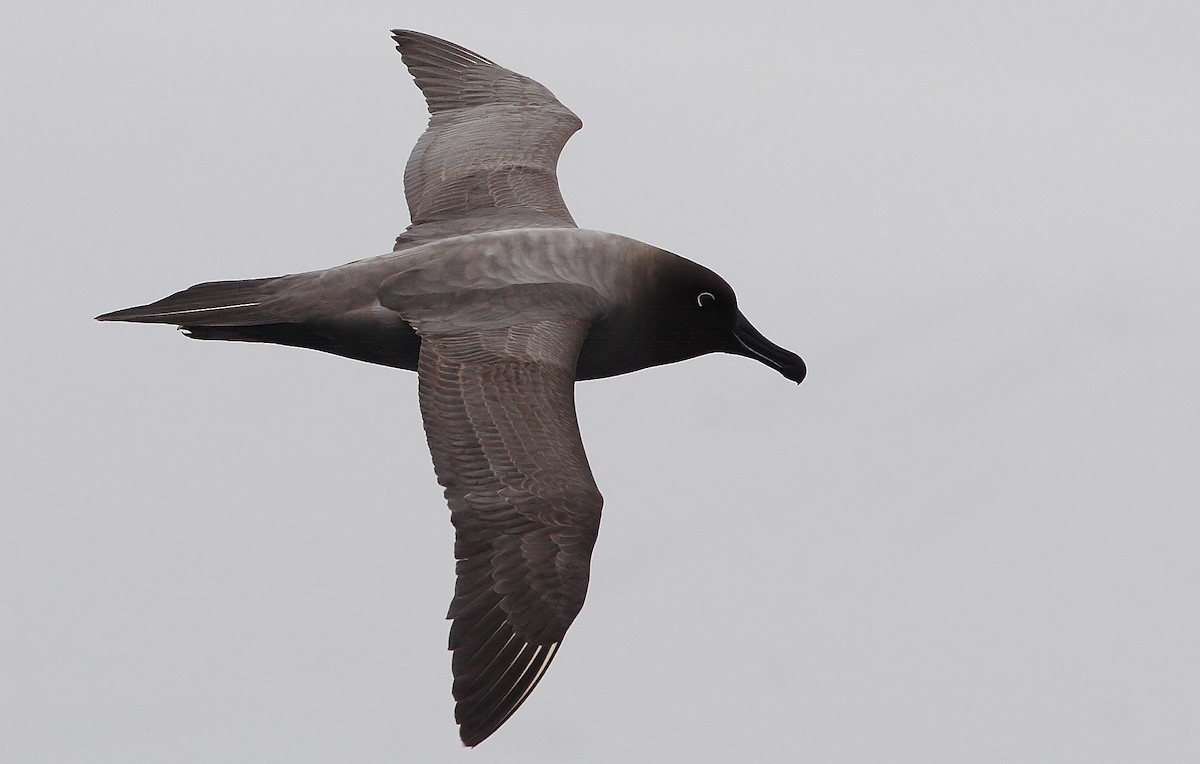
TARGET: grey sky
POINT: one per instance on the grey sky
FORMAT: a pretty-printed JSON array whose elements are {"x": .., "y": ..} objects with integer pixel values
[{"x": 970, "y": 535}]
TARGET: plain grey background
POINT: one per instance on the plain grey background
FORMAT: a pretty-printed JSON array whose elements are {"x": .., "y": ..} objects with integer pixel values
[{"x": 970, "y": 536}]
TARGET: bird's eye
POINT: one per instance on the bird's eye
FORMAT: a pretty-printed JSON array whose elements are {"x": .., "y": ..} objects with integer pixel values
[{"x": 705, "y": 298}]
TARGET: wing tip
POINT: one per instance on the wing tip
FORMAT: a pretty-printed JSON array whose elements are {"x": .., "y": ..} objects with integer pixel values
[
  {"x": 402, "y": 36},
  {"x": 472, "y": 732},
  {"x": 410, "y": 41}
]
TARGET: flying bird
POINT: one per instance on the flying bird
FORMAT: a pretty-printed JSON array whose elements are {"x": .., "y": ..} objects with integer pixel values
[{"x": 500, "y": 303}]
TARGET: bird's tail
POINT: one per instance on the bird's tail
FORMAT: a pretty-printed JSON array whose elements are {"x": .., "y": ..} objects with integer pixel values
[{"x": 213, "y": 303}]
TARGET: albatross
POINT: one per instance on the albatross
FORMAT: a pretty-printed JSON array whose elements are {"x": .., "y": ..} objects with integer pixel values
[{"x": 500, "y": 303}]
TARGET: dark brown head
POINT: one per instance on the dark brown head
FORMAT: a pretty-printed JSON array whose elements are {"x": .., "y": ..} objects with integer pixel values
[{"x": 692, "y": 311}]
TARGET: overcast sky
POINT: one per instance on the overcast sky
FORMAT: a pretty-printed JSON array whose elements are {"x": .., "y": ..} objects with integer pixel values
[{"x": 971, "y": 535}]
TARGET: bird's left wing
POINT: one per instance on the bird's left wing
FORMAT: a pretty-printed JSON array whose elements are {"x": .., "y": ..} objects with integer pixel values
[
  {"x": 496, "y": 382},
  {"x": 488, "y": 159}
]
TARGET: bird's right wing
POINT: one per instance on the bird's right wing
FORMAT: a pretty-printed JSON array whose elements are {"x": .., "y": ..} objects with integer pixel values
[
  {"x": 488, "y": 159},
  {"x": 496, "y": 381}
]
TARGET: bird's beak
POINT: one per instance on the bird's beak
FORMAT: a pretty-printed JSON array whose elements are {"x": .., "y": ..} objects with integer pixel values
[{"x": 749, "y": 342}]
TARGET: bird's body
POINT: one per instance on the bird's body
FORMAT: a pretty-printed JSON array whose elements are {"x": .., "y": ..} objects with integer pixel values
[{"x": 500, "y": 304}]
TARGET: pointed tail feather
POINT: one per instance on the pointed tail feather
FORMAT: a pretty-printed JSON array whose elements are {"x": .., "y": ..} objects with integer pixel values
[{"x": 213, "y": 303}]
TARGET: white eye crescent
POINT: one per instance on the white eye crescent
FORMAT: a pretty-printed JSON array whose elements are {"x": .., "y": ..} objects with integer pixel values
[{"x": 705, "y": 297}]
